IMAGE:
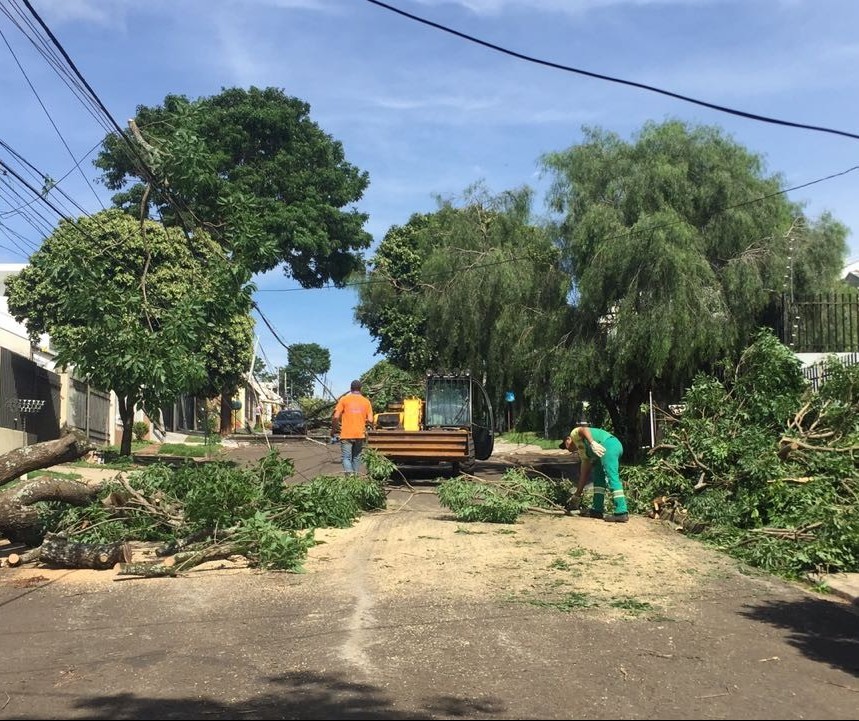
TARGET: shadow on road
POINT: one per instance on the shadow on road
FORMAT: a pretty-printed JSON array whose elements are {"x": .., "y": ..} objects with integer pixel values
[
  {"x": 822, "y": 630},
  {"x": 303, "y": 696}
]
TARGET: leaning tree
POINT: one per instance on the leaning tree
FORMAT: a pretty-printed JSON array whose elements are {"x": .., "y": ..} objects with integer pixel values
[{"x": 255, "y": 172}]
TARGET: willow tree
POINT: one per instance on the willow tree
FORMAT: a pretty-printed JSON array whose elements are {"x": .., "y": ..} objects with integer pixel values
[
  {"x": 127, "y": 305},
  {"x": 677, "y": 245},
  {"x": 471, "y": 286},
  {"x": 255, "y": 172}
]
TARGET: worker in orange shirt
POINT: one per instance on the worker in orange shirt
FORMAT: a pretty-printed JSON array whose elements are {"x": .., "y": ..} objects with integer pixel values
[{"x": 352, "y": 415}]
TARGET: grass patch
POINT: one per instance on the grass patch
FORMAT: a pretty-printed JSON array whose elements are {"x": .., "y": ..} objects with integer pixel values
[
  {"x": 468, "y": 531},
  {"x": 56, "y": 474},
  {"x": 213, "y": 440},
  {"x": 569, "y": 602},
  {"x": 633, "y": 605},
  {"x": 530, "y": 438},
  {"x": 183, "y": 449}
]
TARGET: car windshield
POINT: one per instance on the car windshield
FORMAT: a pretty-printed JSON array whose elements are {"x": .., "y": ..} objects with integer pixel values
[{"x": 289, "y": 416}]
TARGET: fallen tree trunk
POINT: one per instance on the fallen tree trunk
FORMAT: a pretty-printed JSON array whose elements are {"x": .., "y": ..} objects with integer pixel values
[
  {"x": 60, "y": 551},
  {"x": 146, "y": 570},
  {"x": 18, "y": 516},
  {"x": 67, "y": 448}
]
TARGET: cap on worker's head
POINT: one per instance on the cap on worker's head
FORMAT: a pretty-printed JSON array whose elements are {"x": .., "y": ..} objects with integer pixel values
[
  {"x": 356, "y": 386},
  {"x": 563, "y": 445}
]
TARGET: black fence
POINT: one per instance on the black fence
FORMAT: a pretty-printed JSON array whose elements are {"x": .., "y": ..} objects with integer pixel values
[
  {"x": 29, "y": 397},
  {"x": 825, "y": 323}
]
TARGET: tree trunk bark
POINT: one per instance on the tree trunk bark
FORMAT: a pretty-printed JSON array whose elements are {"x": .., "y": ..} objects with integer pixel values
[
  {"x": 634, "y": 429},
  {"x": 19, "y": 519},
  {"x": 60, "y": 551},
  {"x": 147, "y": 570},
  {"x": 126, "y": 414},
  {"x": 226, "y": 414},
  {"x": 68, "y": 448}
]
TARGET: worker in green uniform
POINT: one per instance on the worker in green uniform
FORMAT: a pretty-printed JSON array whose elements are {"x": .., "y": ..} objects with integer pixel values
[{"x": 599, "y": 452}]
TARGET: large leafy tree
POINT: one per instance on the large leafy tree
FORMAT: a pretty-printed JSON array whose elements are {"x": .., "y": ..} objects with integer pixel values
[
  {"x": 385, "y": 384},
  {"x": 129, "y": 305},
  {"x": 306, "y": 363},
  {"x": 677, "y": 245},
  {"x": 473, "y": 287},
  {"x": 254, "y": 171}
]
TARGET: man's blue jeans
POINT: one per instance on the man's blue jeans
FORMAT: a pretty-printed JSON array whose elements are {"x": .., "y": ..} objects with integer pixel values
[{"x": 350, "y": 450}]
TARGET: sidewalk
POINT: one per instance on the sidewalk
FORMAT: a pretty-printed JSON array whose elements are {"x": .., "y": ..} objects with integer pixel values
[{"x": 843, "y": 585}]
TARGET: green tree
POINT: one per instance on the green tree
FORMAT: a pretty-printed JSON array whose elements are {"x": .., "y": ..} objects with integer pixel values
[
  {"x": 676, "y": 245},
  {"x": 307, "y": 363},
  {"x": 228, "y": 348},
  {"x": 262, "y": 371},
  {"x": 127, "y": 304},
  {"x": 254, "y": 171},
  {"x": 385, "y": 384},
  {"x": 471, "y": 287}
]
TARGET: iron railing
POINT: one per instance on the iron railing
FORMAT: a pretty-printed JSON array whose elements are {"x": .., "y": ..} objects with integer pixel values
[{"x": 824, "y": 323}]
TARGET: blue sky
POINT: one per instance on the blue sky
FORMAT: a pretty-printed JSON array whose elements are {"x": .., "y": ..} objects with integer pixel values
[{"x": 427, "y": 114}]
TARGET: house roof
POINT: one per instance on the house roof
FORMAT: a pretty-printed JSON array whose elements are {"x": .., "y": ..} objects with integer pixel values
[{"x": 850, "y": 273}]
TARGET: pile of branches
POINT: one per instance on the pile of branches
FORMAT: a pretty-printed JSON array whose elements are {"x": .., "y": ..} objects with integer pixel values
[
  {"x": 472, "y": 498},
  {"x": 193, "y": 514},
  {"x": 761, "y": 465}
]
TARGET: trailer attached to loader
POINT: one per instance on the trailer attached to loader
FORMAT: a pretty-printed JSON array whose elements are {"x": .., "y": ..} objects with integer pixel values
[{"x": 452, "y": 424}]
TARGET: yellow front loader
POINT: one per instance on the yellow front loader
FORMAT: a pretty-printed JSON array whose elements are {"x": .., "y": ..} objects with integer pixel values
[{"x": 452, "y": 423}]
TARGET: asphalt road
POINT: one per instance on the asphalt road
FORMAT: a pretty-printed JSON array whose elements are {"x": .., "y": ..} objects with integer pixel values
[{"x": 346, "y": 644}]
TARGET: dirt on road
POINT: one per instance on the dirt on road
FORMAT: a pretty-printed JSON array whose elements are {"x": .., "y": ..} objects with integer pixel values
[{"x": 411, "y": 614}]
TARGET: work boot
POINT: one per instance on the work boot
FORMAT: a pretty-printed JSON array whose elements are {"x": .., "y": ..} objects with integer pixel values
[
  {"x": 617, "y": 518},
  {"x": 590, "y": 513}
]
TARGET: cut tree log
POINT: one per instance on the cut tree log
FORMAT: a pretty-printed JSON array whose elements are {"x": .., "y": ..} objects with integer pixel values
[
  {"x": 68, "y": 447},
  {"x": 18, "y": 517},
  {"x": 147, "y": 570},
  {"x": 60, "y": 551}
]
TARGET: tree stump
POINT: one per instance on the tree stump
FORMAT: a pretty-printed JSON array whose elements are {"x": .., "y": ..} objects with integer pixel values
[{"x": 60, "y": 551}]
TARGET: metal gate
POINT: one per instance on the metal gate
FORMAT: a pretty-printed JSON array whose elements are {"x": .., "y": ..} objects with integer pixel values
[
  {"x": 29, "y": 397},
  {"x": 89, "y": 411}
]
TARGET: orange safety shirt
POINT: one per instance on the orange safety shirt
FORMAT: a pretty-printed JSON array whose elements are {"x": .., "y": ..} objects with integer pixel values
[{"x": 354, "y": 412}]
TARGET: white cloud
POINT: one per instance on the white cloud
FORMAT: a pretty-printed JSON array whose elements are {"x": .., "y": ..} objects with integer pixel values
[
  {"x": 91, "y": 11},
  {"x": 460, "y": 103},
  {"x": 113, "y": 12},
  {"x": 568, "y": 7}
]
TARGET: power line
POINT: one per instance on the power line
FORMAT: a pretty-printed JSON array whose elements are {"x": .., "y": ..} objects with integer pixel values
[
  {"x": 44, "y": 176},
  {"x": 143, "y": 166},
  {"x": 624, "y": 234},
  {"x": 265, "y": 320},
  {"x": 5, "y": 167},
  {"x": 50, "y": 118},
  {"x": 31, "y": 32},
  {"x": 610, "y": 78}
]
